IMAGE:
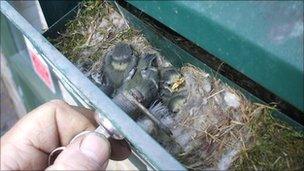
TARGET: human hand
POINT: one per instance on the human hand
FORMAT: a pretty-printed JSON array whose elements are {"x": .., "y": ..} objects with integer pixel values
[{"x": 28, "y": 144}]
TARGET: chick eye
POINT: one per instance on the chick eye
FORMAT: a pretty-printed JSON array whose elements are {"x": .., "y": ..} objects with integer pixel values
[
  {"x": 154, "y": 62},
  {"x": 168, "y": 84}
]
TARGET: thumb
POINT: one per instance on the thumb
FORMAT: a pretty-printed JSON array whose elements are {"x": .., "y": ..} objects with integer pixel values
[{"x": 88, "y": 152}]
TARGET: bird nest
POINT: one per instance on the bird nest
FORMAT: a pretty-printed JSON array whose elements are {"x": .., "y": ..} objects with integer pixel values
[{"x": 212, "y": 124}]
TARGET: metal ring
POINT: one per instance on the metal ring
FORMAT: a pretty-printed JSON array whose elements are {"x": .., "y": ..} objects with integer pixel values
[
  {"x": 80, "y": 134},
  {"x": 100, "y": 131},
  {"x": 56, "y": 150}
]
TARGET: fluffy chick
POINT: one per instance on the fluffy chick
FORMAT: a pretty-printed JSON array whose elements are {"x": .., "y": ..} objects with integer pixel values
[{"x": 119, "y": 63}]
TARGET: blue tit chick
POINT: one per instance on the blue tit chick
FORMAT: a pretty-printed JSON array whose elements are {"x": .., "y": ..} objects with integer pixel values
[
  {"x": 172, "y": 89},
  {"x": 144, "y": 83},
  {"x": 84, "y": 65},
  {"x": 143, "y": 86},
  {"x": 119, "y": 63},
  {"x": 177, "y": 101},
  {"x": 169, "y": 78},
  {"x": 102, "y": 82}
]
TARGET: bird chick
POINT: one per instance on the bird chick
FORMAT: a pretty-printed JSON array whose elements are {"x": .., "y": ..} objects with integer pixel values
[
  {"x": 84, "y": 65},
  {"x": 177, "y": 101},
  {"x": 144, "y": 84},
  {"x": 171, "y": 80},
  {"x": 119, "y": 63},
  {"x": 169, "y": 75},
  {"x": 102, "y": 82},
  {"x": 143, "y": 87}
]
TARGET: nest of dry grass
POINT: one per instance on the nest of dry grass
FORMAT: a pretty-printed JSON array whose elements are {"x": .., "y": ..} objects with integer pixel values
[
  {"x": 218, "y": 127},
  {"x": 216, "y": 130},
  {"x": 96, "y": 28}
]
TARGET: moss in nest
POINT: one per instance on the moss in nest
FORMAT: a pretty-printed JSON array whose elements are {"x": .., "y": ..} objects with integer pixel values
[
  {"x": 277, "y": 146},
  {"x": 95, "y": 28},
  {"x": 79, "y": 31}
]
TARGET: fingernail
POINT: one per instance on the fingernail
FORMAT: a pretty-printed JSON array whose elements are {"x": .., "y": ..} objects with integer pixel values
[{"x": 96, "y": 146}]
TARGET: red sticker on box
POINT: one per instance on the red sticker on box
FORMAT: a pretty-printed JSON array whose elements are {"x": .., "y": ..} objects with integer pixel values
[{"x": 40, "y": 66}]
